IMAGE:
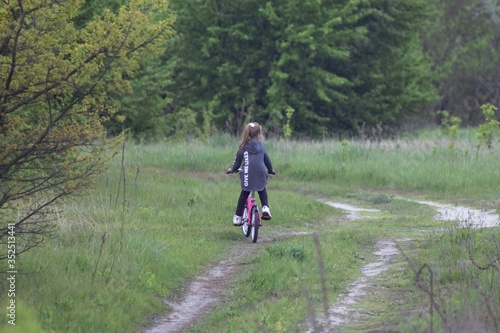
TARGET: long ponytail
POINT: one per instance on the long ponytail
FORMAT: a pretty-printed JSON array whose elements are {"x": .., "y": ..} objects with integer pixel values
[{"x": 251, "y": 130}]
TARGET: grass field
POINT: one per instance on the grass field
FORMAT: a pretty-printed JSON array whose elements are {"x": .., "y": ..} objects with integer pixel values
[{"x": 164, "y": 215}]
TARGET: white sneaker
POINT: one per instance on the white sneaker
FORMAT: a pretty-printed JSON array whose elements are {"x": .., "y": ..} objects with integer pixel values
[
  {"x": 266, "y": 213},
  {"x": 237, "y": 221}
]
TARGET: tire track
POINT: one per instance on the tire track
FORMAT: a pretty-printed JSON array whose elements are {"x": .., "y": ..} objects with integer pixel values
[
  {"x": 345, "y": 310},
  {"x": 205, "y": 290},
  {"x": 202, "y": 293}
]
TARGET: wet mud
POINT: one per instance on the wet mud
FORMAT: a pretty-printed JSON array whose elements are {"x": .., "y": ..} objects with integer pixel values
[
  {"x": 467, "y": 217},
  {"x": 352, "y": 212}
]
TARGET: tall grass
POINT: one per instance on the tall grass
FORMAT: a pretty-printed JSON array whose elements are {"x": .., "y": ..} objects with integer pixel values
[
  {"x": 110, "y": 264},
  {"x": 424, "y": 167},
  {"x": 432, "y": 166},
  {"x": 459, "y": 276}
]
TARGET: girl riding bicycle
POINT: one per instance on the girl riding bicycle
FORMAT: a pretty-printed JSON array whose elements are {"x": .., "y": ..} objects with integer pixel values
[{"x": 255, "y": 166}]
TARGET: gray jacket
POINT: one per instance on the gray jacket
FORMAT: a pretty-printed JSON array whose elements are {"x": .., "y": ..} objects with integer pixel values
[{"x": 255, "y": 166}]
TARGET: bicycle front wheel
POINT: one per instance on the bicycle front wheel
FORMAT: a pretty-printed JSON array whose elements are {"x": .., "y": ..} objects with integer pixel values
[
  {"x": 245, "y": 228},
  {"x": 255, "y": 225}
]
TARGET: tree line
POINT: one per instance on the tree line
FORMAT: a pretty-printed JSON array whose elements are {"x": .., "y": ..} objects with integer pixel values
[{"x": 338, "y": 64}]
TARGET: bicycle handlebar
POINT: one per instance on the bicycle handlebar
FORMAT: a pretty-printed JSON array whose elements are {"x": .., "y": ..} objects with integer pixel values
[{"x": 239, "y": 170}]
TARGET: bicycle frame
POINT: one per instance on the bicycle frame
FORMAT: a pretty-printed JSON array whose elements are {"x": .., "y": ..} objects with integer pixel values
[
  {"x": 251, "y": 213},
  {"x": 250, "y": 204},
  {"x": 251, "y": 218}
]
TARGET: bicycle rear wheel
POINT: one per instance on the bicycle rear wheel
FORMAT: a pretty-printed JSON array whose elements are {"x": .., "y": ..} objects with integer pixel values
[
  {"x": 245, "y": 228},
  {"x": 254, "y": 232}
]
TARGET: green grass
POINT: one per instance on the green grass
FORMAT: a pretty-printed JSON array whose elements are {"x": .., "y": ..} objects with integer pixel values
[
  {"x": 432, "y": 167},
  {"x": 460, "y": 289},
  {"x": 272, "y": 296},
  {"x": 140, "y": 236}
]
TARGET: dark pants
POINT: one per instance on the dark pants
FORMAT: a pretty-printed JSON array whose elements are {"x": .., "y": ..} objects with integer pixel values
[{"x": 243, "y": 198}]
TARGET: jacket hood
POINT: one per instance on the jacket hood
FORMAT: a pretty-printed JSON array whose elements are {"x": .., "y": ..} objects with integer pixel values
[{"x": 254, "y": 146}]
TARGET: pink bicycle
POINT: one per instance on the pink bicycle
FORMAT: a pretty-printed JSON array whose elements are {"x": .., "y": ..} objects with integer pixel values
[{"x": 251, "y": 218}]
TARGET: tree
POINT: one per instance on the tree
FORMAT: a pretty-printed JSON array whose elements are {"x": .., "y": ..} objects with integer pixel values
[
  {"x": 89, "y": 8},
  {"x": 392, "y": 78},
  {"x": 144, "y": 108},
  {"x": 58, "y": 86},
  {"x": 253, "y": 59},
  {"x": 463, "y": 43}
]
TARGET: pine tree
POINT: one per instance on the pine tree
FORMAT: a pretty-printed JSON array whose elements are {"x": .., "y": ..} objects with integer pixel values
[{"x": 253, "y": 59}]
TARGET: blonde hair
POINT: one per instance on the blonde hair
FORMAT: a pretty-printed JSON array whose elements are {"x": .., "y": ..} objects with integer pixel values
[{"x": 252, "y": 130}]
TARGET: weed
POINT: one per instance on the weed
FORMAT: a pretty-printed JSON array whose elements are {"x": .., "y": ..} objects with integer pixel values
[
  {"x": 449, "y": 127},
  {"x": 486, "y": 131},
  {"x": 292, "y": 251},
  {"x": 461, "y": 293}
]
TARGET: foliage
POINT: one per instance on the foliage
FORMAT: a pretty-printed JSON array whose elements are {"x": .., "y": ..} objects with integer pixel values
[
  {"x": 449, "y": 124},
  {"x": 339, "y": 64},
  {"x": 462, "y": 42},
  {"x": 486, "y": 130},
  {"x": 253, "y": 59},
  {"x": 143, "y": 108},
  {"x": 287, "y": 129},
  {"x": 57, "y": 89},
  {"x": 88, "y": 9},
  {"x": 392, "y": 78}
]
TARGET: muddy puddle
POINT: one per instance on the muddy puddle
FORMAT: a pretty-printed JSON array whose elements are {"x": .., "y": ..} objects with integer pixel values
[
  {"x": 466, "y": 217},
  {"x": 352, "y": 212},
  {"x": 205, "y": 290}
]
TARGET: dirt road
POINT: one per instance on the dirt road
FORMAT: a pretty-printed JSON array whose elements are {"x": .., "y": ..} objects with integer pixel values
[{"x": 205, "y": 290}]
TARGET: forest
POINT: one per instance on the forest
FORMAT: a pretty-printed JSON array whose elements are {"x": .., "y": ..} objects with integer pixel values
[
  {"x": 317, "y": 68},
  {"x": 338, "y": 65}
]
